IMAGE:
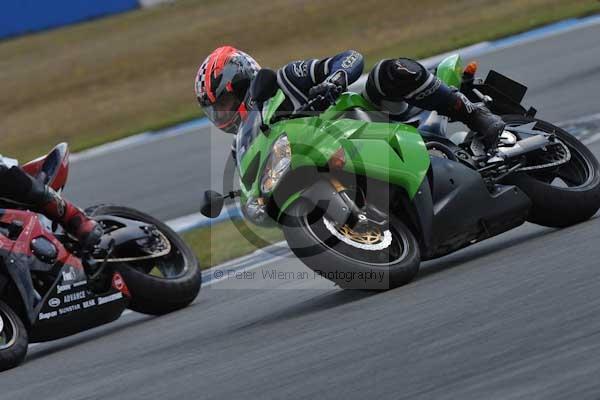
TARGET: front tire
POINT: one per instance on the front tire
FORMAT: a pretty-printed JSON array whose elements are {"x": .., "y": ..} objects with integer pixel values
[
  {"x": 151, "y": 293},
  {"x": 13, "y": 338},
  {"x": 393, "y": 261},
  {"x": 578, "y": 197}
]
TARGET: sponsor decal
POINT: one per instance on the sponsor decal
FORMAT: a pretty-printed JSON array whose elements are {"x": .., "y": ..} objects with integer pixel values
[
  {"x": 80, "y": 283},
  {"x": 119, "y": 284},
  {"x": 89, "y": 303},
  {"x": 301, "y": 69},
  {"x": 111, "y": 298},
  {"x": 69, "y": 309},
  {"x": 350, "y": 60},
  {"x": 62, "y": 288},
  {"x": 69, "y": 298},
  {"x": 54, "y": 302},
  {"x": 470, "y": 107},
  {"x": 60, "y": 206},
  {"x": 69, "y": 274},
  {"x": 428, "y": 92},
  {"x": 48, "y": 315}
]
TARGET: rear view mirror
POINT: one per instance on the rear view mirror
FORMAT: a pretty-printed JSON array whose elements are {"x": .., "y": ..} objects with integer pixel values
[
  {"x": 264, "y": 86},
  {"x": 212, "y": 204}
]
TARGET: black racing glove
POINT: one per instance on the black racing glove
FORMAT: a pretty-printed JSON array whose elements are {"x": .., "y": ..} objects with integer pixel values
[{"x": 326, "y": 93}]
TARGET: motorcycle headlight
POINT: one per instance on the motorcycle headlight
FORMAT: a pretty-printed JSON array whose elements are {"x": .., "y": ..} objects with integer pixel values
[{"x": 277, "y": 164}]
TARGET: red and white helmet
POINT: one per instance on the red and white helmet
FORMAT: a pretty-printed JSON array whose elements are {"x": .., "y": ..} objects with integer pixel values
[{"x": 222, "y": 84}]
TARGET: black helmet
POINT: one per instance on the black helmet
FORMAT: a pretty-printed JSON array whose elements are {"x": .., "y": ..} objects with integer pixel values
[{"x": 222, "y": 83}]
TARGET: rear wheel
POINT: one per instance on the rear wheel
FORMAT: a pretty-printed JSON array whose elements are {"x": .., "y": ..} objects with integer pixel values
[
  {"x": 157, "y": 285},
  {"x": 13, "y": 338},
  {"x": 563, "y": 195},
  {"x": 372, "y": 258}
]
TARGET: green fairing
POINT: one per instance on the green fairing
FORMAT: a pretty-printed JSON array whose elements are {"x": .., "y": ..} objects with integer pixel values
[
  {"x": 391, "y": 152},
  {"x": 272, "y": 106},
  {"x": 450, "y": 71}
]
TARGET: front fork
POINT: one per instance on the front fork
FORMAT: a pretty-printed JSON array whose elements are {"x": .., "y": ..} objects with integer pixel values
[{"x": 357, "y": 218}]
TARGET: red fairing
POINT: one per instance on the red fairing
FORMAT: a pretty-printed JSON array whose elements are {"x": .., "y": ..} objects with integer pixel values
[
  {"x": 34, "y": 167},
  {"x": 32, "y": 228},
  {"x": 60, "y": 179},
  {"x": 57, "y": 169}
]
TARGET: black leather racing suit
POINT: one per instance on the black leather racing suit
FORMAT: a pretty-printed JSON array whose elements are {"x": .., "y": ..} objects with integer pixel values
[{"x": 392, "y": 86}]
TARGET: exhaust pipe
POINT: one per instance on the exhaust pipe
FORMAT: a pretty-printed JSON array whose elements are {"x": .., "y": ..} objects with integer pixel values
[{"x": 524, "y": 146}]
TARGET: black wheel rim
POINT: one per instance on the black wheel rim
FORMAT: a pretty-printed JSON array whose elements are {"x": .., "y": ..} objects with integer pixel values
[
  {"x": 8, "y": 330},
  {"x": 394, "y": 253},
  {"x": 170, "y": 266},
  {"x": 576, "y": 173}
]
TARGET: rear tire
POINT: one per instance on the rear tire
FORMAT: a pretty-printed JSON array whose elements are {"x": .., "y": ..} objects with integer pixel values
[
  {"x": 340, "y": 263},
  {"x": 152, "y": 294},
  {"x": 560, "y": 206},
  {"x": 13, "y": 338}
]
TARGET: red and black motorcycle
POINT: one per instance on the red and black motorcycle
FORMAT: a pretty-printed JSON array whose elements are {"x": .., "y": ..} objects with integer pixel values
[{"x": 140, "y": 264}]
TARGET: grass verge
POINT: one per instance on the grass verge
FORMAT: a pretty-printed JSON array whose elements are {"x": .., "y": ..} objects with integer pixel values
[
  {"x": 228, "y": 240},
  {"x": 106, "y": 79}
]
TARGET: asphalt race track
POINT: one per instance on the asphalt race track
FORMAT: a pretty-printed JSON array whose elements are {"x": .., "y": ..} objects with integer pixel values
[{"x": 517, "y": 316}]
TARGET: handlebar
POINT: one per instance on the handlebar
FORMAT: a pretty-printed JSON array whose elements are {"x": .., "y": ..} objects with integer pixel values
[{"x": 330, "y": 97}]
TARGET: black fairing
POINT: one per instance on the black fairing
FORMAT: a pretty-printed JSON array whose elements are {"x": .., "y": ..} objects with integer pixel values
[
  {"x": 506, "y": 93},
  {"x": 460, "y": 210},
  {"x": 70, "y": 307}
]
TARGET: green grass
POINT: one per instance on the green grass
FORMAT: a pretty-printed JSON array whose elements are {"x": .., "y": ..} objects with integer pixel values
[
  {"x": 106, "y": 79},
  {"x": 228, "y": 240}
]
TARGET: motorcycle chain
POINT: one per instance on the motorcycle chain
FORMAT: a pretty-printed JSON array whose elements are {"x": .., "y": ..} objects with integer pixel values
[{"x": 565, "y": 157}]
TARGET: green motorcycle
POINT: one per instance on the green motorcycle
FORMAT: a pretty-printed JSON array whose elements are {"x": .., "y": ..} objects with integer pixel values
[{"x": 362, "y": 199}]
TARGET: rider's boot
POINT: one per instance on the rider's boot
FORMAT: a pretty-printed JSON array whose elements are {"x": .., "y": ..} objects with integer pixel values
[
  {"x": 407, "y": 80},
  {"x": 22, "y": 187},
  {"x": 87, "y": 231},
  {"x": 478, "y": 118}
]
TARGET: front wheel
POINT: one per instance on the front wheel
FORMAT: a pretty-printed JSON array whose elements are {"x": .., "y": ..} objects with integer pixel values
[
  {"x": 371, "y": 259},
  {"x": 565, "y": 194},
  {"x": 13, "y": 338},
  {"x": 157, "y": 285}
]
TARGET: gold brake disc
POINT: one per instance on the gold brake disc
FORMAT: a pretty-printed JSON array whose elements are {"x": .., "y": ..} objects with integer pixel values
[{"x": 371, "y": 236}]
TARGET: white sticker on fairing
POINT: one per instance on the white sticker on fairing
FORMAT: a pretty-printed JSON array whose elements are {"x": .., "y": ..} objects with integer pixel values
[
  {"x": 69, "y": 274},
  {"x": 54, "y": 302},
  {"x": 49, "y": 315},
  {"x": 89, "y": 303},
  {"x": 62, "y": 288},
  {"x": 69, "y": 309},
  {"x": 108, "y": 299},
  {"x": 69, "y": 298}
]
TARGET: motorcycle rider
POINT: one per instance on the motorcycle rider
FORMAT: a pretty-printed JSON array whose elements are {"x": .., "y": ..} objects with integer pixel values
[
  {"x": 223, "y": 80},
  {"x": 18, "y": 186}
]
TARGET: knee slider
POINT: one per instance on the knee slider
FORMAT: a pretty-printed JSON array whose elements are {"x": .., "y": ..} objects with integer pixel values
[{"x": 399, "y": 77}]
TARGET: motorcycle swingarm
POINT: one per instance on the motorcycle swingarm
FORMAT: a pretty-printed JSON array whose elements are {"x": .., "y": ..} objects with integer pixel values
[{"x": 127, "y": 231}]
